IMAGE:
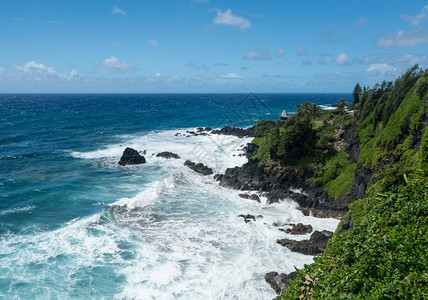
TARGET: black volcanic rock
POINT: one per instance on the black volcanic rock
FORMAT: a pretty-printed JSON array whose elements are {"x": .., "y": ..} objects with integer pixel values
[
  {"x": 314, "y": 246},
  {"x": 279, "y": 282},
  {"x": 167, "y": 155},
  {"x": 235, "y": 131},
  {"x": 251, "y": 197},
  {"x": 278, "y": 185},
  {"x": 131, "y": 157},
  {"x": 199, "y": 168},
  {"x": 248, "y": 218},
  {"x": 299, "y": 229}
]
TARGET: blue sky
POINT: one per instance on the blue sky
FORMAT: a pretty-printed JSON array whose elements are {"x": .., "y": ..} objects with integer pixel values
[{"x": 208, "y": 46}]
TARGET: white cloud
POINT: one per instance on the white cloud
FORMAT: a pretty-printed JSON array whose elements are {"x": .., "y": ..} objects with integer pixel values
[
  {"x": 117, "y": 11},
  {"x": 381, "y": 69},
  {"x": 17, "y": 19},
  {"x": 158, "y": 74},
  {"x": 37, "y": 71},
  {"x": 360, "y": 21},
  {"x": 280, "y": 52},
  {"x": 342, "y": 59},
  {"x": 418, "y": 19},
  {"x": 152, "y": 43},
  {"x": 232, "y": 76},
  {"x": 258, "y": 55},
  {"x": 403, "y": 39},
  {"x": 227, "y": 18},
  {"x": 409, "y": 60},
  {"x": 112, "y": 64},
  {"x": 301, "y": 51},
  {"x": 326, "y": 59}
]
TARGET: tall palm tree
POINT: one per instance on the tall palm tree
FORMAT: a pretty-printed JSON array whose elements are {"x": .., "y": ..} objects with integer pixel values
[
  {"x": 310, "y": 110},
  {"x": 314, "y": 111}
]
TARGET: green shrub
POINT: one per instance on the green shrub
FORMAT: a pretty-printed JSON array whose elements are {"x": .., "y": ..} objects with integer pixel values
[{"x": 383, "y": 257}]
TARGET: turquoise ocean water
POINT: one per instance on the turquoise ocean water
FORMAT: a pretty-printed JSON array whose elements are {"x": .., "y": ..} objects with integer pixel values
[{"x": 75, "y": 225}]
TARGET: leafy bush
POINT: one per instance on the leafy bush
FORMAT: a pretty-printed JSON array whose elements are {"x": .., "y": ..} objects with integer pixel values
[
  {"x": 383, "y": 257},
  {"x": 263, "y": 127}
]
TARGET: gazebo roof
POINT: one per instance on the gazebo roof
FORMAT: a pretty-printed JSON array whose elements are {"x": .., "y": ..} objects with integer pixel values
[{"x": 284, "y": 114}]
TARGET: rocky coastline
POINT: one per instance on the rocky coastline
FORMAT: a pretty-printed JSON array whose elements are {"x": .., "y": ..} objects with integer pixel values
[
  {"x": 285, "y": 182},
  {"x": 281, "y": 182}
]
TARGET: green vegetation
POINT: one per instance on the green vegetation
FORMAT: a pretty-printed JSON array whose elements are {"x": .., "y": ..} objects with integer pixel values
[
  {"x": 383, "y": 257},
  {"x": 337, "y": 175},
  {"x": 306, "y": 140}
]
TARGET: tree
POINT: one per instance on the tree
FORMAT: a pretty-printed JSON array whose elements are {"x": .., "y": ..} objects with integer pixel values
[
  {"x": 422, "y": 88},
  {"x": 314, "y": 111},
  {"x": 309, "y": 110},
  {"x": 357, "y": 94},
  {"x": 341, "y": 106}
]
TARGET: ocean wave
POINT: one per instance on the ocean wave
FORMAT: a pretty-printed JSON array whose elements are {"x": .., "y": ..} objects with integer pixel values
[
  {"x": 17, "y": 210},
  {"x": 216, "y": 151},
  {"x": 143, "y": 198}
]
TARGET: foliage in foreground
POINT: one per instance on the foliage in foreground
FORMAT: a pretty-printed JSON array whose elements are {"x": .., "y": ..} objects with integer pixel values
[{"x": 385, "y": 256}]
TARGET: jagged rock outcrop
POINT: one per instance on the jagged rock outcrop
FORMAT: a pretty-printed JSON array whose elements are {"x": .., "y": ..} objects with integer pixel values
[
  {"x": 131, "y": 157},
  {"x": 248, "y": 217},
  {"x": 352, "y": 141},
  {"x": 251, "y": 197},
  {"x": 299, "y": 229},
  {"x": 362, "y": 178},
  {"x": 236, "y": 131},
  {"x": 279, "y": 282},
  {"x": 277, "y": 185},
  {"x": 167, "y": 155},
  {"x": 250, "y": 150},
  {"x": 199, "y": 168},
  {"x": 314, "y": 246}
]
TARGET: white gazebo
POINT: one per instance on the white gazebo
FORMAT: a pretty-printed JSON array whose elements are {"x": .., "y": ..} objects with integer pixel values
[{"x": 284, "y": 116}]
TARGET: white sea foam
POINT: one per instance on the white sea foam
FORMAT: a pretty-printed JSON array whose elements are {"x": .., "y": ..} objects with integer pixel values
[
  {"x": 17, "y": 210},
  {"x": 216, "y": 151},
  {"x": 145, "y": 197},
  {"x": 327, "y": 107},
  {"x": 174, "y": 234}
]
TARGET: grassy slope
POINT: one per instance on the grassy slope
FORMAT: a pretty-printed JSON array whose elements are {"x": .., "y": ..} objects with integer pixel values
[
  {"x": 378, "y": 145},
  {"x": 385, "y": 256},
  {"x": 337, "y": 175}
]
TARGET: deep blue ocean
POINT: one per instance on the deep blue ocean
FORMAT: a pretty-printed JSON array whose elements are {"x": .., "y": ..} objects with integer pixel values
[{"x": 76, "y": 225}]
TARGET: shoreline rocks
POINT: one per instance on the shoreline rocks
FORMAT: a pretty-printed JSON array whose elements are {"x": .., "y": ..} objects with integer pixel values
[
  {"x": 236, "y": 131},
  {"x": 167, "y": 155},
  {"x": 131, "y": 157},
  {"x": 280, "y": 183},
  {"x": 299, "y": 229},
  {"x": 314, "y": 246},
  {"x": 199, "y": 168},
  {"x": 251, "y": 197},
  {"x": 248, "y": 218},
  {"x": 279, "y": 282}
]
